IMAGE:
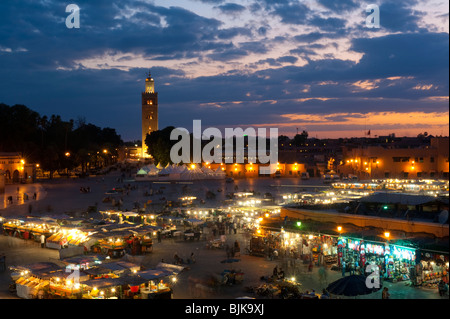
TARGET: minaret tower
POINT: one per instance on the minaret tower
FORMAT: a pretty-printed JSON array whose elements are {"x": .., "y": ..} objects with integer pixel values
[{"x": 149, "y": 111}]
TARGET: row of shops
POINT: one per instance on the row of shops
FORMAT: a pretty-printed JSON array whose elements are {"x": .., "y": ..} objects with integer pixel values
[
  {"x": 395, "y": 262},
  {"x": 90, "y": 277}
]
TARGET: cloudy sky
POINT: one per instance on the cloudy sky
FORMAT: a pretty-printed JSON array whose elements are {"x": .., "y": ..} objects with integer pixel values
[{"x": 292, "y": 64}]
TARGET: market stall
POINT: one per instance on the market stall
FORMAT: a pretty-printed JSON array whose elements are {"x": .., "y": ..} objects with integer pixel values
[
  {"x": 10, "y": 226},
  {"x": 34, "y": 279},
  {"x": 83, "y": 262},
  {"x": 150, "y": 284},
  {"x": 30, "y": 228},
  {"x": 399, "y": 261},
  {"x": 157, "y": 286},
  {"x": 432, "y": 267},
  {"x": 394, "y": 261},
  {"x": 30, "y": 287},
  {"x": 66, "y": 237}
]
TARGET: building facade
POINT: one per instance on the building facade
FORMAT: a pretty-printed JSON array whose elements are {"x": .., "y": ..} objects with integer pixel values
[
  {"x": 15, "y": 170},
  {"x": 149, "y": 112},
  {"x": 428, "y": 161}
]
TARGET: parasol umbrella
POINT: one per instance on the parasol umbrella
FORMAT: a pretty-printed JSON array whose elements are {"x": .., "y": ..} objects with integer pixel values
[
  {"x": 353, "y": 285},
  {"x": 230, "y": 260}
]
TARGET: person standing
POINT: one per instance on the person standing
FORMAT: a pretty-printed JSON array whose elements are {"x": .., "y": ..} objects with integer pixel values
[
  {"x": 385, "y": 294},
  {"x": 442, "y": 287},
  {"x": 159, "y": 236},
  {"x": 42, "y": 241},
  {"x": 343, "y": 268},
  {"x": 275, "y": 272}
]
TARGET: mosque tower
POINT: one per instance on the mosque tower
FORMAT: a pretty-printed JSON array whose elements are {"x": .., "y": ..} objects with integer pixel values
[{"x": 149, "y": 111}]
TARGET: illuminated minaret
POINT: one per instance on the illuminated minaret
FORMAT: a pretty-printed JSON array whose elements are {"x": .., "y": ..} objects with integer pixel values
[{"x": 149, "y": 111}]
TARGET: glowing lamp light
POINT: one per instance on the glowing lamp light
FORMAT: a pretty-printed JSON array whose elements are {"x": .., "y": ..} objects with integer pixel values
[
  {"x": 339, "y": 228},
  {"x": 387, "y": 234},
  {"x": 193, "y": 166},
  {"x": 258, "y": 231},
  {"x": 174, "y": 279},
  {"x": 299, "y": 224}
]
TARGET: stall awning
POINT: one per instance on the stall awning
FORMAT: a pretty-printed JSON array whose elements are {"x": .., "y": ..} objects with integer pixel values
[
  {"x": 120, "y": 266},
  {"x": 175, "y": 269},
  {"x": 83, "y": 260},
  {"x": 398, "y": 198},
  {"x": 154, "y": 274}
]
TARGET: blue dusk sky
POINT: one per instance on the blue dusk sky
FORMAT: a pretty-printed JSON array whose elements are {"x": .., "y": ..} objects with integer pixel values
[{"x": 310, "y": 65}]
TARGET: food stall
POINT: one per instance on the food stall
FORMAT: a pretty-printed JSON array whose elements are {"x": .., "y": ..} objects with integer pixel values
[
  {"x": 257, "y": 246},
  {"x": 30, "y": 287},
  {"x": 150, "y": 284},
  {"x": 33, "y": 228},
  {"x": 144, "y": 235},
  {"x": 111, "y": 243},
  {"x": 66, "y": 283},
  {"x": 104, "y": 288},
  {"x": 83, "y": 262},
  {"x": 29, "y": 228},
  {"x": 10, "y": 226},
  {"x": 157, "y": 286},
  {"x": 66, "y": 237},
  {"x": 34, "y": 279}
]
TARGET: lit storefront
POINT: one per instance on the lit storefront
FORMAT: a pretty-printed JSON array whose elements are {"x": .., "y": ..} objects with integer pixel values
[{"x": 395, "y": 262}]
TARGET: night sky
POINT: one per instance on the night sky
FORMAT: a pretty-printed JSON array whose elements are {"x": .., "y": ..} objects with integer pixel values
[{"x": 309, "y": 65}]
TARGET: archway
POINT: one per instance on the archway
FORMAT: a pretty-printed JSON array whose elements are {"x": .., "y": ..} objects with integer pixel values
[{"x": 16, "y": 176}]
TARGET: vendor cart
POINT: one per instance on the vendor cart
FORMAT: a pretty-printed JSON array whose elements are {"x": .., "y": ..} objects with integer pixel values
[
  {"x": 192, "y": 235},
  {"x": 114, "y": 249}
]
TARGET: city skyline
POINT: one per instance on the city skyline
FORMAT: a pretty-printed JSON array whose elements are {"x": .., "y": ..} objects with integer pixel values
[{"x": 306, "y": 65}]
